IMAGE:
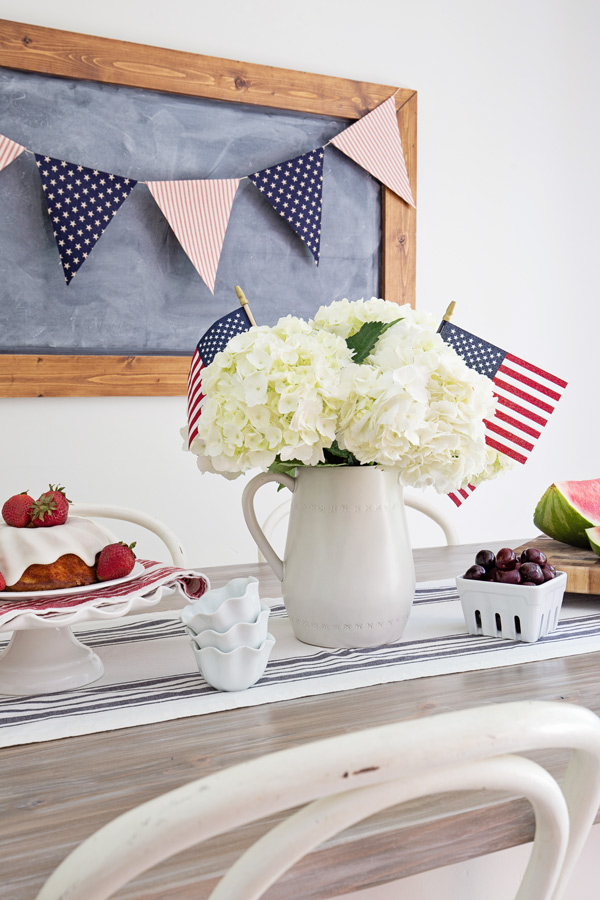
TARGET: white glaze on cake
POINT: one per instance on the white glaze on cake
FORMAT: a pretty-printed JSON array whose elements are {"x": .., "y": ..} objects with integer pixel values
[{"x": 22, "y": 547}]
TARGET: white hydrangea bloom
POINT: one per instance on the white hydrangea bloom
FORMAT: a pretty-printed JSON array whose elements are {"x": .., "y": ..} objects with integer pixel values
[
  {"x": 345, "y": 317},
  {"x": 288, "y": 392},
  {"x": 496, "y": 464},
  {"x": 272, "y": 392},
  {"x": 416, "y": 406}
]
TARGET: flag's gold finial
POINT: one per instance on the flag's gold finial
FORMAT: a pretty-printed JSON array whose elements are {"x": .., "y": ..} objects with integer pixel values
[
  {"x": 449, "y": 312},
  {"x": 245, "y": 304}
]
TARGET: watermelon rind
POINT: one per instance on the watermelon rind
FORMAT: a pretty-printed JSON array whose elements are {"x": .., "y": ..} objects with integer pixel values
[
  {"x": 593, "y": 535},
  {"x": 557, "y": 516}
]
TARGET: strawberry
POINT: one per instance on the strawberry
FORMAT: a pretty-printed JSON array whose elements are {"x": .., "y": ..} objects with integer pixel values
[
  {"x": 2, "y": 582},
  {"x": 51, "y": 508},
  {"x": 115, "y": 561},
  {"x": 17, "y": 510}
]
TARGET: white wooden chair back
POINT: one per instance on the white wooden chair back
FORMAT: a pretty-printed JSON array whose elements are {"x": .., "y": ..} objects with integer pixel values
[
  {"x": 126, "y": 514},
  {"x": 412, "y": 499},
  {"x": 342, "y": 780}
]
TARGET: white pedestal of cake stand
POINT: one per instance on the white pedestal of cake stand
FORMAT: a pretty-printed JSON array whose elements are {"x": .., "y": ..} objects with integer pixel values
[
  {"x": 43, "y": 660},
  {"x": 44, "y": 655}
]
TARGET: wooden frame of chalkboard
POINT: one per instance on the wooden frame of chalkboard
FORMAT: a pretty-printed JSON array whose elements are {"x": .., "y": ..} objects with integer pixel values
[{"x": 31, "y": 48}]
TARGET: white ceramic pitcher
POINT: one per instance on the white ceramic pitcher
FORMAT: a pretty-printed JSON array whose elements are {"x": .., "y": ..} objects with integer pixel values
[{"x": 348, "y": 577}]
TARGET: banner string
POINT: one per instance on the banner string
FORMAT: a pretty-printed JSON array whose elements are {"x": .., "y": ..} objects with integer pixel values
[
  {"x": 329, "y": 143},
  {"x": 375, "y": 146}
]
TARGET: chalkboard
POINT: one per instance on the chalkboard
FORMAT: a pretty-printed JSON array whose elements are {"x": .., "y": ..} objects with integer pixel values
[{"x": 138, "y": 294}]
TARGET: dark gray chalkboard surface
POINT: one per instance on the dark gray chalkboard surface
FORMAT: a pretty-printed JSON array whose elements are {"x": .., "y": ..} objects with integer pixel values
[
  {"x": 128, "y": 322},
  {"x": 138, "y": 292}
]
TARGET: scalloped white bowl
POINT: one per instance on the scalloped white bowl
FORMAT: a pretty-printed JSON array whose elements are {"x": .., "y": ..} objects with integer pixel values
[
  {"x": 242, "y": 634},
  {"x": 237, "y": 670},
  {"x": 220, "y": 608}
]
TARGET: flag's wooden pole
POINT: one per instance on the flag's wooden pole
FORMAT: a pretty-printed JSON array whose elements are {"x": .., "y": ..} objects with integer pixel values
[
  {"x": 245, "y": 304},
  {"x": 449, "y": 312}
]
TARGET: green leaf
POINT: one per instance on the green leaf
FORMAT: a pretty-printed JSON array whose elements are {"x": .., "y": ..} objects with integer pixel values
[
  {"x": 284, "y": 467},
  {"x": 335, "y": 456},
  {"x": 336, "y": 450},
  {"x": 363, "y": 342}
]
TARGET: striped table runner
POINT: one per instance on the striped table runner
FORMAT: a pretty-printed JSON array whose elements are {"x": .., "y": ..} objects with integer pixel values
[{"x": 151, "y": 675}]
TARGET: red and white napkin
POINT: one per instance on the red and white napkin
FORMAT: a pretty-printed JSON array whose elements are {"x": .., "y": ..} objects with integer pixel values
[{"x": 191, "y": 583}]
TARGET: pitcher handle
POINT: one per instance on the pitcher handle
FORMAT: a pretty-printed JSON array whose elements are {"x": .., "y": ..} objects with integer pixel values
[{"x": 252, "y": 522}]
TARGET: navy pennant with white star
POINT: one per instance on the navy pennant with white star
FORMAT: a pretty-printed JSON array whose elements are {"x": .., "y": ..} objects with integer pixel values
[
  {"x": 81, "y": 203},
  {"x": 295, "y": 188}
]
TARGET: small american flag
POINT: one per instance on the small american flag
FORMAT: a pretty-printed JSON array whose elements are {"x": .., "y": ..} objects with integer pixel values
[
  {"x": 214, "y": 340},
  {"x": 526, "y": 395}
]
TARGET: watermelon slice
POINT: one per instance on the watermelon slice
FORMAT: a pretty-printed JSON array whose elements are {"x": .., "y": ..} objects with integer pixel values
[
  {"x": 567, "y": 509},
  {"x": 594, "y": 538}
]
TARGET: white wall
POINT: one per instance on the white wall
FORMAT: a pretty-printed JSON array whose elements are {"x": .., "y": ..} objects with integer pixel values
[{"x": 508, "y": 191}]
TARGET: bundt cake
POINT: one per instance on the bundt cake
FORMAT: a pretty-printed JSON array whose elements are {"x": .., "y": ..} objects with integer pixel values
[{"x": 46, "y": 559}]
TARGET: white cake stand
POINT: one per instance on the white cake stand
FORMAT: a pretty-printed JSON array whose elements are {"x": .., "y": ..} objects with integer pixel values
[
  {"x": 44, "y": 660},
  {"x": 45, "y": 656}
]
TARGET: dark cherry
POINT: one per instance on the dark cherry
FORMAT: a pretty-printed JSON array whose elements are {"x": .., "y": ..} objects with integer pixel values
[
  {"x": 506, "y": 559},
  {"x": 508, "y": 576},
  {"x": 531, "y": 567},
  {"x": 549, "y": 572},
  {"x": 475, "y": 573},
  {"x": 486, "y": 559},
  {"x": 530, "y": 571},
  {"x": 532, "y": 554}
]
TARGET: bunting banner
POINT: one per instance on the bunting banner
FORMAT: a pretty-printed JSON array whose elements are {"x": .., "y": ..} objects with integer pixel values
[
  {"x": 9, "y": 150},
  {"x": 374, "y": 143},
  {"x": 198, "y": 212},
  {"x": 81, "y": 203},
  {"x": 294, "y": 188}
]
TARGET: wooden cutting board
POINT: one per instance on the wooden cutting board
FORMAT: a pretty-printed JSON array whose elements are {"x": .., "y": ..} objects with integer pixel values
[{"x": 582, "y": 566}]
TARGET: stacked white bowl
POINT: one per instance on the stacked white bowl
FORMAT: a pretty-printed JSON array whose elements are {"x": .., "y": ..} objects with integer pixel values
[{"x": 228, "y": 630}]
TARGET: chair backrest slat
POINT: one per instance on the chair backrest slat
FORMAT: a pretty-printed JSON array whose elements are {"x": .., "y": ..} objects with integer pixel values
[{"x": 344, "y": 779}]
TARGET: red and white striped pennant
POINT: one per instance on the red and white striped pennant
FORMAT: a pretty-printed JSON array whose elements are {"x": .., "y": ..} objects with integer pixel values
[
  {"x": 9, "y": 150},
  {"x": 198, "y": 212},
  {"x": 374, "y": 143}
]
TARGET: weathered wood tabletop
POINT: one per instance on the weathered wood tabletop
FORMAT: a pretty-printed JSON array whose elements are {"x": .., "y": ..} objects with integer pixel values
[{"x": 54, "y": 794}]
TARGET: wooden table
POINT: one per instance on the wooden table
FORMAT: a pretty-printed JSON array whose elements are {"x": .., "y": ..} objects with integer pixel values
[{"x": 54, "y": 794}]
